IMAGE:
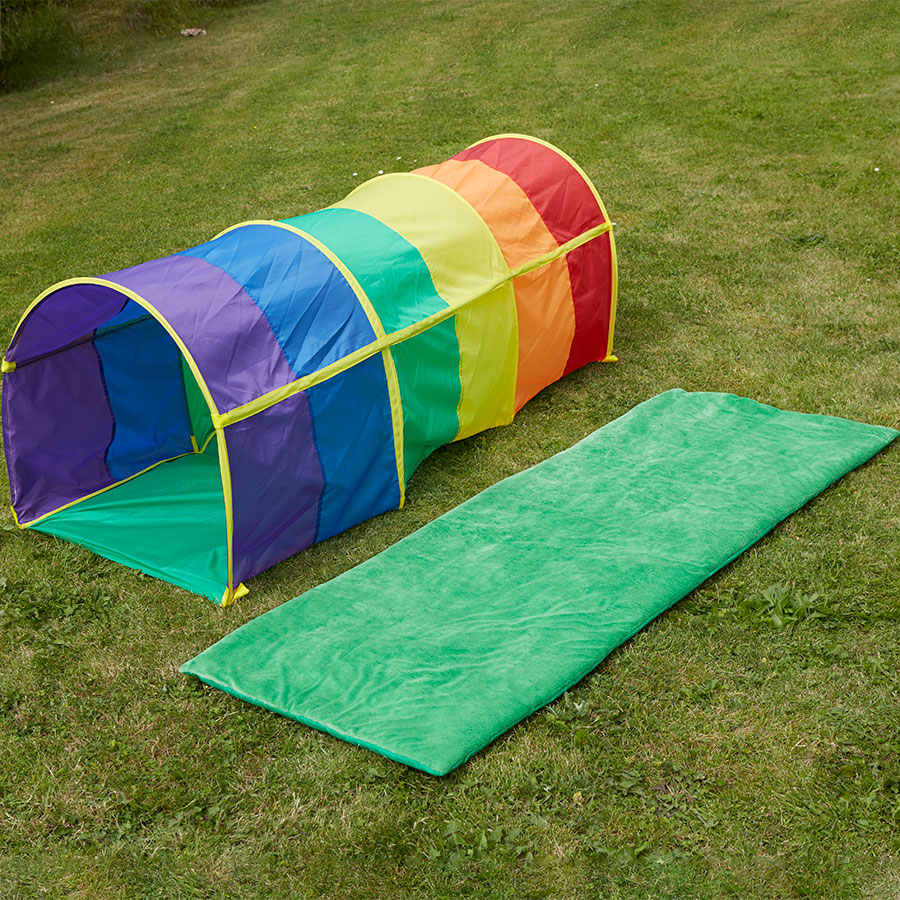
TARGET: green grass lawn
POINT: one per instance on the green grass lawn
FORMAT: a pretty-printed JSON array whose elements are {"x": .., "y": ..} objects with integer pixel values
[{"x": 749, "y": 153}]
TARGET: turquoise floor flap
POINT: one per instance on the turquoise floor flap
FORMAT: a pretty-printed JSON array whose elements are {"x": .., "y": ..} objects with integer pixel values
[{"x": 168, "y": 522}]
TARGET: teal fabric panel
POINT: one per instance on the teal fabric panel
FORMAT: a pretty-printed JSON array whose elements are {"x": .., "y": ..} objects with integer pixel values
[
  {"x": 436, "y": 646},
  {"x": 198, "y": 411},
  {"x": 388, "y": 267},
  {"x": 398, "y": 284},
  {"x": 428, "y": 376},
  {"x": 168, "y": 522}
]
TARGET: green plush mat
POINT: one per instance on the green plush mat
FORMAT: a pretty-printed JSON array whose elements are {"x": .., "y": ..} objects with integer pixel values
[{"x": 430, "y": 650}]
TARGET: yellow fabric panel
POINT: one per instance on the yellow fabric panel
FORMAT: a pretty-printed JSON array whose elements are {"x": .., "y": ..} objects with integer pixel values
[
  {"x": 545, "y": 311},
  {"x": 463, "y": 259}
]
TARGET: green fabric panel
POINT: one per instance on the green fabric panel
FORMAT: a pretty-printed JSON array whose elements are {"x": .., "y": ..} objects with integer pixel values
[
  {"x": 398, "y": 284},
  {"x": 201, "y": 421},
  {"x": 436, "y": 646},
  {"x": 429, "y": 392},
  {"x": 168, "y": 522}
]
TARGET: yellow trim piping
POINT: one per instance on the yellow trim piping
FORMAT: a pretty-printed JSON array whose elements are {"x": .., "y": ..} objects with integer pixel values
[
  {"x": 612, "y": 241},
  {"x": 103, "y": 490},
  {"x": 390, "y": 369},
  {"x": 224, "y": 469},
  {"x": 239, "y": 413},
  {"x": 194, "y": 444},
  {"x": 132, "y": 295},
  {"x": 7, "y": 365}
]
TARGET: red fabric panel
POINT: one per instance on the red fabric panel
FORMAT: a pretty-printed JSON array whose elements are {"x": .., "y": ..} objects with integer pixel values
[{"x": 568, "y": 207}]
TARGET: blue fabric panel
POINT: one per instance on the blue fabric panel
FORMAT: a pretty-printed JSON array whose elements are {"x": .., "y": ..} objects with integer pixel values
[
  {"x": 351, "y": 416},
  {"x": 142, "y": 371},
  {"x": 312, "y": 310}
]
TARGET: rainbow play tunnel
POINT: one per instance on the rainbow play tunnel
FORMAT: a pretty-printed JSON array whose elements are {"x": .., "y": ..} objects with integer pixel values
[{"x": 203, "y": 416}]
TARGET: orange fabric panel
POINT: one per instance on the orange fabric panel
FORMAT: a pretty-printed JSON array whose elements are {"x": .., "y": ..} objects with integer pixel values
[{"x": 544, "y": 307}]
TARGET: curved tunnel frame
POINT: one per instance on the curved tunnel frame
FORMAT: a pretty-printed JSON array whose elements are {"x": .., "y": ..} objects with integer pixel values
[
  {"x": 381, "y": 345},
  {"x": 231, "y": 592}
]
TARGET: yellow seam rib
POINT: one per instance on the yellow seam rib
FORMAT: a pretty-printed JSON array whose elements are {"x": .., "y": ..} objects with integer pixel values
[
  {"x": 225, "y": 471},
  {"x": 393, "y": 381},
  {"x": 614, "y": 292},
  {"x": 240, "y": 413},
  {"x": 7, "y": 366},
  {"x": 109, "y": 487}
]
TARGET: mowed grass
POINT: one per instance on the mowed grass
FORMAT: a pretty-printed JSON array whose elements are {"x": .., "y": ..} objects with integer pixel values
[{"x": 746, "y": 744}]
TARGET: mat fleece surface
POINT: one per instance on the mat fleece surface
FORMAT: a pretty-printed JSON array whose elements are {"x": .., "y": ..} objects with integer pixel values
[{"x": 433, "y": 648}]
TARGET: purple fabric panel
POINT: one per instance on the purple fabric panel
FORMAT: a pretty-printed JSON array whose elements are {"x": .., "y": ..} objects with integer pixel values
[
  {"x": 276, "y": 481},
  {"x": 7, "y": 434},
  {"x": 71, "y": 314},
  {"x": 56, "y": 428},
  {"x": 226, "y": 332}
]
